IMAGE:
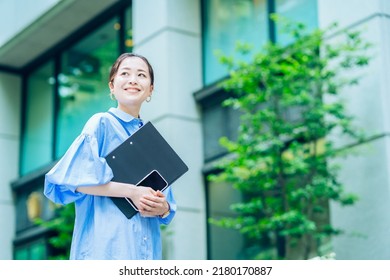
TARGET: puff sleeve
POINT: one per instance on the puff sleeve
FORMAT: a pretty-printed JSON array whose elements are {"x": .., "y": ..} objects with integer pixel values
[{"x": 82, "y": 165}]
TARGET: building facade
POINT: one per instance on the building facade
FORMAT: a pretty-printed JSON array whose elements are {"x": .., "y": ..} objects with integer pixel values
[{"x": 54, "y": 63}]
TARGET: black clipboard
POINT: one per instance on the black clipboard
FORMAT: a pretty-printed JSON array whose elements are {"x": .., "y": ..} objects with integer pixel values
[{"x": 144, "y": 151}]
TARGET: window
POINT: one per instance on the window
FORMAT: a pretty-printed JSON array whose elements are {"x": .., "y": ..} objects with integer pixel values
[
  {"x": 304, "y": 11},
  {"x": 222, "y": 196},
  {"x": 227, "y": 21},
  {"x": 30, "y": 241},
  {"x": 247, "y": 21},
  {"x": 37, "y": 140},
  {"x": 64, "y": 92},
  {"x": 218, "y": 121},
  {"x": 83, "y": 82},
  {"x": 31, "y": 205},
  {"x": 35, "y": 250},
  {"x": 128, "y": 30}
]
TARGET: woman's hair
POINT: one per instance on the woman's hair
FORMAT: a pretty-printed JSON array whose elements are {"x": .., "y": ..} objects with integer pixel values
[{"x": 119, "y": 60}]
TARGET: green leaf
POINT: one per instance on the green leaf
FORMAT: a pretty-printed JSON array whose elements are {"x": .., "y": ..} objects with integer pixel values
[{"x": 291, "y": 112}]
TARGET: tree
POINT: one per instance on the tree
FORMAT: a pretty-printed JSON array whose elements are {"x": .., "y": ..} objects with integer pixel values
[
  {"x": 61, "y": 227},
  {"x": 282, "y": 160}
]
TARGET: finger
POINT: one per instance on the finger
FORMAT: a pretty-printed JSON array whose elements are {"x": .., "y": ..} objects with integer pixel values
[
  {"x": 148, "y": 205},
  {"x": 160, "y": 194},
  {"x": 145, "y": 205},
  {"x": 154, "y": 199},
  {"x": 148, "y": 190}
]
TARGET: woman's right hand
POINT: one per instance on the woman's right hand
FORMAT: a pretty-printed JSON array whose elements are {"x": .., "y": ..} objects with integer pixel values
[{"x": 139, "y": 192}]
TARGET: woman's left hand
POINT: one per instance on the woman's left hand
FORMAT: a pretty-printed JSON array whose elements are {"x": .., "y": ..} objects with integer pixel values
[{"x": 153, "y": 205}]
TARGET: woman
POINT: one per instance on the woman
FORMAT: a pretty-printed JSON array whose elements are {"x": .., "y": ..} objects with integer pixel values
[{"x": 83, "y": 176}]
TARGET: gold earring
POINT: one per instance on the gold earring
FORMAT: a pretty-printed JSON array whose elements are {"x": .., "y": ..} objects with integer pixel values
[
  {"x": 112, "y": 96},
  {"x": 149, "y": 98}
]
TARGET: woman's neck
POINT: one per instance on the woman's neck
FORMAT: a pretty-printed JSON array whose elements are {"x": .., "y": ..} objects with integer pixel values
[{"x": 131, "y": 111}]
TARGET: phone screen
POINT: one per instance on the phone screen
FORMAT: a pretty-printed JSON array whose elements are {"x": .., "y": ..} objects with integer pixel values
[{"x": 154, "y": 180}]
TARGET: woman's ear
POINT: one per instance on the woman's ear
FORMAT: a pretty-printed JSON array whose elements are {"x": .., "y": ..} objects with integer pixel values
[{"x": 111, "y": 86}]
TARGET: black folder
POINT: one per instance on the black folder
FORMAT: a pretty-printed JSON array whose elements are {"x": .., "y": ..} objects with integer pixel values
[{"x": 137, "y": 157}]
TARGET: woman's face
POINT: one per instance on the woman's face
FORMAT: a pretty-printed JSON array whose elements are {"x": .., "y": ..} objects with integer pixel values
[{"x": 131, "y": 84}]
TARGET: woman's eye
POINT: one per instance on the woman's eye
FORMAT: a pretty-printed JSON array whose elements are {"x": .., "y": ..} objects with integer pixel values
[
  {"x": 124, "y": 73},
  {"x": 142, "y": 75}
]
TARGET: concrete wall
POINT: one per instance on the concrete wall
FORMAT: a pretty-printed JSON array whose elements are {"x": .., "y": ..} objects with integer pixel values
[
  {"x": 10, "y": 104},
  {"x": 17, "y": 15},
  {"x": 168, "y": 33},
  {"x": 366, "y": 224}
]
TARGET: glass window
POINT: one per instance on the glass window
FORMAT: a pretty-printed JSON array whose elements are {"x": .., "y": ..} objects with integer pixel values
[
  {"x": 22, "y": 220},
  {"x": 21, "y": 253},
  {"x": 38, "y": 250},
  {"x": 227, "y": 21},
  {"x": 129, "y": 30},
  {"x": 32, "y": 205},
  {"x": 218, "y": 121},
  {"x": 35, "y": 250},
  {"x": 221, "y": 196},
  {"x": 37, "y": 142},
  {"x": 213, "y": 130},
  {"x": 83, "y": 81},
  {"x": 303, "y": 11}
]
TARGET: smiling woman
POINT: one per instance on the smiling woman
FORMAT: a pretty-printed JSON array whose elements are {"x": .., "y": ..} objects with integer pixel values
[
  {"x": 131, "y": 82},
  {"x": 83, "y": 176}
]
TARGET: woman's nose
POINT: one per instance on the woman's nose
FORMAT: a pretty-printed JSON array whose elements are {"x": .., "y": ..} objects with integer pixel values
[{"x": 132, "y": 79}]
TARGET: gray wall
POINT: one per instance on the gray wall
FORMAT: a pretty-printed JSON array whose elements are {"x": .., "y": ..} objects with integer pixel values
[
  {"x": 367, "y": 224},
  {"x": 168, "y": 32},
  {"x": 10, "y": 92},
  {"x": 17, "y": 15},
  {"x": 15, "y": 19}
]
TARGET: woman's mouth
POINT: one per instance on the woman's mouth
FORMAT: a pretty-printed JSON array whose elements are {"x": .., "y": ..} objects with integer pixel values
[{"x": 132, "y": 90}]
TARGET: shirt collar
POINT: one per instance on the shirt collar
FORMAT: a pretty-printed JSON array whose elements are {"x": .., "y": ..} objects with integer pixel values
[{"x": 123, "y": 115}]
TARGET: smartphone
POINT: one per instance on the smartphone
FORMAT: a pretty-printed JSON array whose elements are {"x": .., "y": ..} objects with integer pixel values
[{"x": 153, "y": 180}]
